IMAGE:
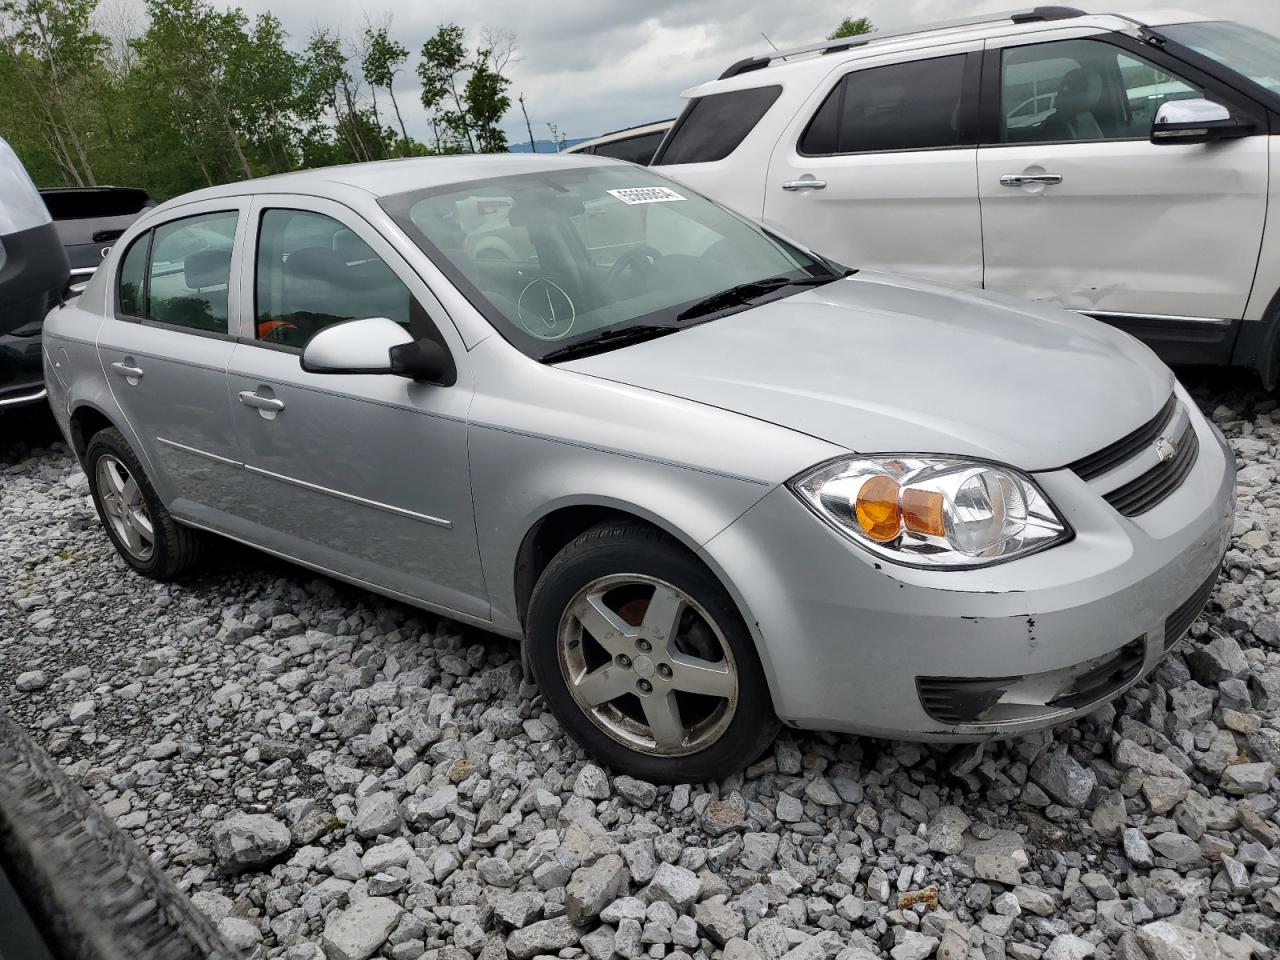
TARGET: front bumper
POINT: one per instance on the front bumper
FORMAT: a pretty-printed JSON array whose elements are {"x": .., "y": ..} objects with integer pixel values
[{"x": 855, "y": 644}]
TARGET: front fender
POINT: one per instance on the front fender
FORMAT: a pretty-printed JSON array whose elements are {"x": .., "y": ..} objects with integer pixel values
[{"x": 691, "y": 505}]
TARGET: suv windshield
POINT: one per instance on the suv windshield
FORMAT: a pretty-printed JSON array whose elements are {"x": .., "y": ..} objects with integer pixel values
[
  {"x": 1250, "y": 52},
  {"x": 578, "y": 257}
]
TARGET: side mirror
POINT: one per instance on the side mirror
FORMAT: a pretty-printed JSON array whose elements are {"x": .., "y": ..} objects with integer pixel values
[
  {"x": 1195, "y": 121},
  {"x": 377, "y": 345}
]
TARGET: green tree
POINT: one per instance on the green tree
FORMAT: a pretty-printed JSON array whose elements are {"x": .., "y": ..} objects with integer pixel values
[
  {"x": 52, "y": 66},
  {"x": 382, "y": 60},
  {"x": 466, "y": 93},
  {"x": 852, "y": 27},
  {"x": 487, "y": 103},
  {"x": 443, "y": 62}
]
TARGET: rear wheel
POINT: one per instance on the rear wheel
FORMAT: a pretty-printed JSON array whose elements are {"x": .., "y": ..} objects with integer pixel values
[
  {"x": 139, "y": 526},
  {"x": 643, "y": 657}
]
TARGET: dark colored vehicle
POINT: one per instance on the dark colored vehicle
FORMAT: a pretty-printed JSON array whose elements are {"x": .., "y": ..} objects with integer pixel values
[
  {"x": 33, "y": 278},
  {"x": 89, "y": 220}
]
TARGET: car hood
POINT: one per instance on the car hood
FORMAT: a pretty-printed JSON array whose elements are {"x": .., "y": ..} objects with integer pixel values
[{"x": 880, "y": 364}]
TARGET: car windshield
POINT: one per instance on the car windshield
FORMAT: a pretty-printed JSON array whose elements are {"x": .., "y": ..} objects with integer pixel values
[
  {"x": 1247, "y": 51},
  {"x": 596, "y": 255}
]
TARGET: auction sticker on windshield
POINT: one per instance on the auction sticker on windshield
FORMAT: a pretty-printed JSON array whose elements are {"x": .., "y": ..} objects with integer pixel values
[{"x": 634, "y": 195}]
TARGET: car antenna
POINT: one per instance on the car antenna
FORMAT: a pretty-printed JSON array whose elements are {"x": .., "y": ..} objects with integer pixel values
[{"x": 768, "y": 41}]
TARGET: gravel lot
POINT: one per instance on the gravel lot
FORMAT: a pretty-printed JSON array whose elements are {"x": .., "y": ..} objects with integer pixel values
[{"x": 331, "y": 774}]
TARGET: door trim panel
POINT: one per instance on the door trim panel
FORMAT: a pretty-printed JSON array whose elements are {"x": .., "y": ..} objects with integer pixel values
[
  {"x": 197, "y": 452},
  {"x": 351, "y": 497},
  {"x": 294, "y": 481}
]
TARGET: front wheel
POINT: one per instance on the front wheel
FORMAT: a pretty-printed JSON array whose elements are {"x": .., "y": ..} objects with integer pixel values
[{"x": 643, "y": 657}]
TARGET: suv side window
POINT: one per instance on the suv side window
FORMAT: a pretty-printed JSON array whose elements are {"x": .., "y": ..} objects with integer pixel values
[
  {"x": 712, "y": 127},
  {"x": 902, "y": 106},
  {"x": 189, "y": 271},
  {"x": 1071, "y": 90},
  {"x": 313, "y": 272},
  {"x": 633, "y": 149}
]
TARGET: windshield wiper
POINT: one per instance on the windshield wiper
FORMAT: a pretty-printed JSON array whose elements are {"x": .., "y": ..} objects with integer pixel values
[
  {"x": 744, "y": 293},
  {"x": 608, "y": 340}
]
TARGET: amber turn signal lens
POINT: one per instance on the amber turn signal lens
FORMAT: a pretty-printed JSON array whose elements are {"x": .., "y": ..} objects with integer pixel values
[
  {"x": 922, "y": 512},
  {"x": 877, "y": 509}
]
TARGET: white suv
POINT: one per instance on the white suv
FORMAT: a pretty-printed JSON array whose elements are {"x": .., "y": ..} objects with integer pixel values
[{"x": 1115, "y": 167}]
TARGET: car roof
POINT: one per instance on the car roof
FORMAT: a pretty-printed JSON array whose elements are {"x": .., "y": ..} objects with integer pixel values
[
  {"x": 658, "y": 126},
  {"x": 803, "y": 62},
  {"x": 382, "y": 178}
]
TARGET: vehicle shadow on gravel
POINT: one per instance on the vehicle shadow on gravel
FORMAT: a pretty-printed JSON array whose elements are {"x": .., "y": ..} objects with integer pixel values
[{"x": 26, "y": 432}]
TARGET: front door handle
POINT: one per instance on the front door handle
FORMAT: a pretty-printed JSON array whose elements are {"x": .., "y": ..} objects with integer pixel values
[
  {"x": 127, "y": 370},
  {"x": 269, "y": 404},
  {"x": 1028, "y": 179},
  {"x": 807, "y": 183}
]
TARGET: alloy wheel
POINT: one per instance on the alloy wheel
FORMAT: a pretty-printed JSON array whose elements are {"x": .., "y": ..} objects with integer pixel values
[
  {"x": 648, "y": 665},
  {"x": 125, "y": 508}
]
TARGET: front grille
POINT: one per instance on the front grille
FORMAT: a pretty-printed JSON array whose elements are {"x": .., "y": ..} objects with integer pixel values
[
  {"x": 1179, "y": 622},
  {"x": 1147, "y": 491},
  {"x": 958, "y": 701},
  {"x": 1104, "y": 679},
  {"x": 1126, "y": 448}
]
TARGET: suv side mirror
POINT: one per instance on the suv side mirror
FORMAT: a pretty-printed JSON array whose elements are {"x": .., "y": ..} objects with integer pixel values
[
  {"x": 1195, "y": 121},
  {"x": 377, "y": 345}
]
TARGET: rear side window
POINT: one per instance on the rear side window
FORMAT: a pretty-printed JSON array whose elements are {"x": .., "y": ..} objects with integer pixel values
[
  {"x": 190, "y": 272},
  {"x": 633, "y": 149},
  {"x": 133, "y": 273},
  {"x": 712, "y": 127},
  {"x": 902, "y": 106}
]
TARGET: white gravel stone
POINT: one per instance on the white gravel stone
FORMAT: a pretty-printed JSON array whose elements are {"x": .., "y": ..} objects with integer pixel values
[{"x": 359, "y": 931}]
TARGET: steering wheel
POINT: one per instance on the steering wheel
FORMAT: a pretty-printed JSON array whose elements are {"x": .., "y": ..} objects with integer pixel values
[{"x": 638, "y": 260}]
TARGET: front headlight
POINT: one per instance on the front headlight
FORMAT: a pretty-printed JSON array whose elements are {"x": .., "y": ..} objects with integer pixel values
[{"x": 933, "y": 511}]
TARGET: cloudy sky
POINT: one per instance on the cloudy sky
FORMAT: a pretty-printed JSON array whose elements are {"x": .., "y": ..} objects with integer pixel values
[{"x": 595, "y": 65}]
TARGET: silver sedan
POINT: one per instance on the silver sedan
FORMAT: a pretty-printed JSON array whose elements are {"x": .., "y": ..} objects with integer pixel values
[{"x": 714, "y": 481}]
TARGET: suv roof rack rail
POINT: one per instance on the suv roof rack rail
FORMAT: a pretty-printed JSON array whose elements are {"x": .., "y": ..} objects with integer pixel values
[{"x": 1035, "y": 15}]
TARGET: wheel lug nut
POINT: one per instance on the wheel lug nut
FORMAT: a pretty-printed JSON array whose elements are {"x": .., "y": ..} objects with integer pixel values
[
  {"x": 644, "y": 645},
  {"x": 664, "y": 671},
  {"x": 645, "y": 686},
  {"x": 624, "y": 661}
]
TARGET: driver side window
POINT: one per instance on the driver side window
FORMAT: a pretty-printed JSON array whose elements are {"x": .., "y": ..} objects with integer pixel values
[
  {"x": 1084, "y": 90},
  {"x": 313, "y": 272}
]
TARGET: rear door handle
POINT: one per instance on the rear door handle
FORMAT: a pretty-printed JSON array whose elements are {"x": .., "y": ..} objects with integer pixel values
[
  {"x": 806, "y": 184},
  {"x": 125, "y": 370},
  {"x": 251, "y": 399},
  {"x": 1026, "y": 179}
]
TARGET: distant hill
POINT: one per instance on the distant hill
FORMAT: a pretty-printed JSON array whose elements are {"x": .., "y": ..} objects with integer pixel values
[{"x": 545, "y": 146}]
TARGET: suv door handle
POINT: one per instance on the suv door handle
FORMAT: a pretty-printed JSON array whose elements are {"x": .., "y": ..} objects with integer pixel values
[
  {"x": 806, "y": 184},
  {"x": 1026, "y": 179},
  {"x": 125, "y": 370},
  {"x": 251, "y": 399}
]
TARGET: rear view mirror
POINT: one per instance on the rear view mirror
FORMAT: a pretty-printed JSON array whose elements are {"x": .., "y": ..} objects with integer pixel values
[{"x": 1195, "y": 121}]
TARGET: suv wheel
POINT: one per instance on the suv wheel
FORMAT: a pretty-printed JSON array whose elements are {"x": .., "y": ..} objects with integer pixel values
[
  {"x": 644, "y": 659},
  {"x": 137, "y": 523}
]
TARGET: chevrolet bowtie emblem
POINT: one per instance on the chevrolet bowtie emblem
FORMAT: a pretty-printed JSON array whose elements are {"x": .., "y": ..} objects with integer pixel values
[{"x": 1165, "y": 449}]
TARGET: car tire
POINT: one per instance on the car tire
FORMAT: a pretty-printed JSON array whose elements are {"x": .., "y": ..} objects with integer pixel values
[
  {"x": 687, "y": 710},
  {"x": 139, "y": 526}
]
